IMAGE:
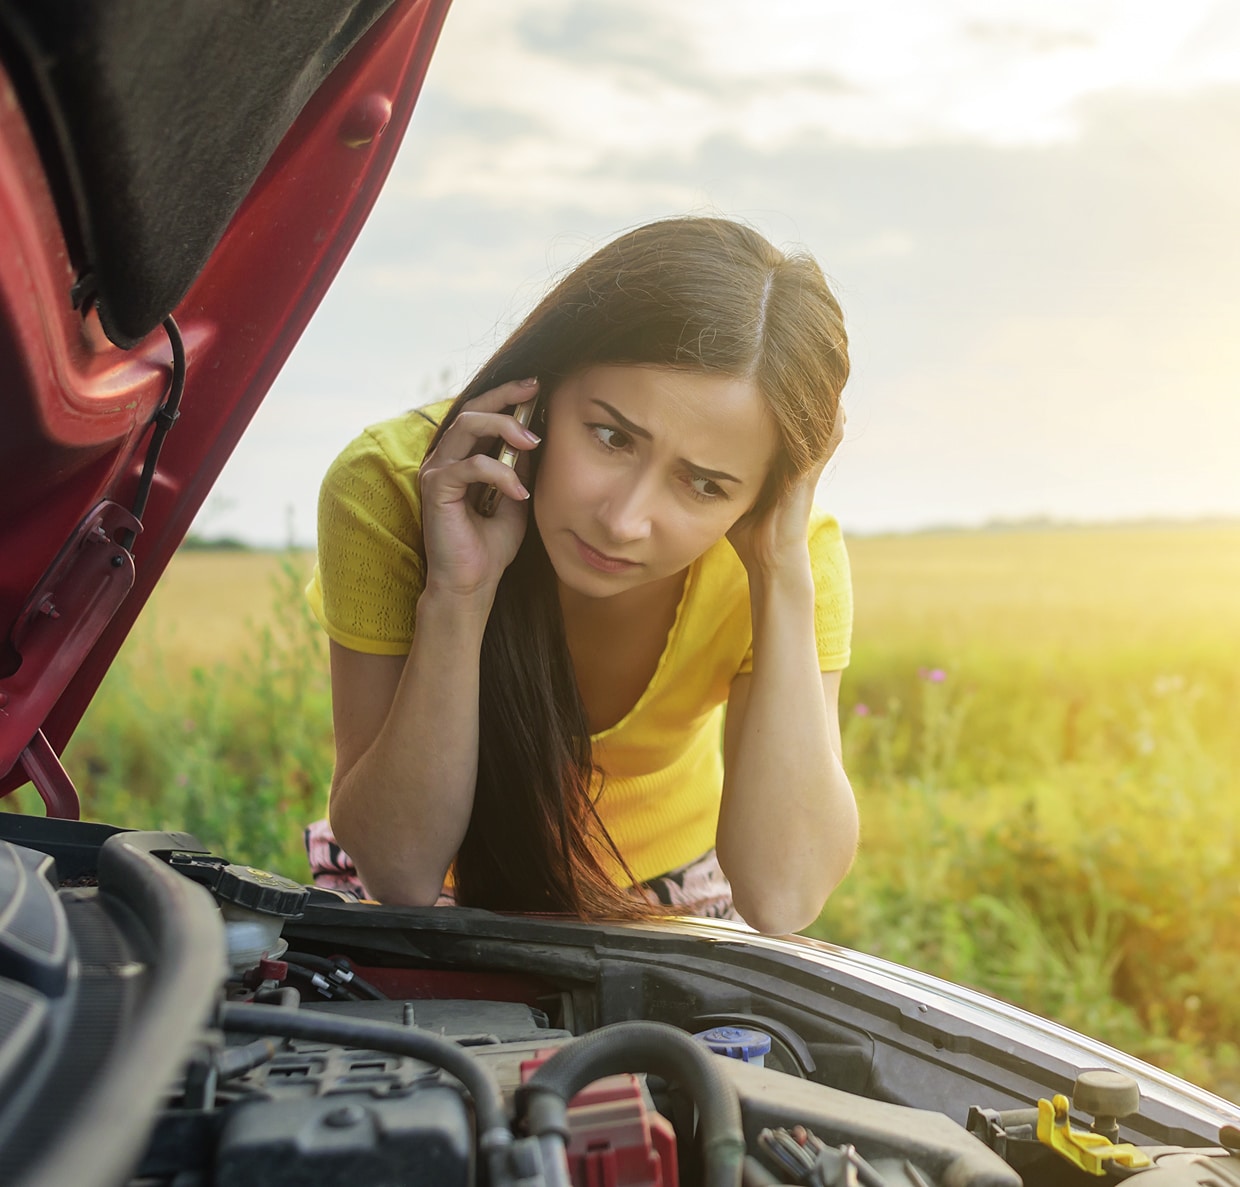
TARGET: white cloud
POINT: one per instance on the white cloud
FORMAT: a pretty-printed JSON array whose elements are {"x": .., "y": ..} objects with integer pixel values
[
  {"x": 1037, "y": 326},
  {"x": 650, "y": 79}
]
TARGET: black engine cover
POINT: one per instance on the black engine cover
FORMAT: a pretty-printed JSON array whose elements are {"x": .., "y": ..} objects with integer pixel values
[{"x": 423, "y": 1136}]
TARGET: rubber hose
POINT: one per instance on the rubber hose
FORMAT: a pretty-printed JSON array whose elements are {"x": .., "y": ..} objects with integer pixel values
[
  {"x": 645, "y": 1047},
  {"x": 321, "y": 964},
  {"x": 478, "y": 1079},
  {"x": 236, "y": 1061}
]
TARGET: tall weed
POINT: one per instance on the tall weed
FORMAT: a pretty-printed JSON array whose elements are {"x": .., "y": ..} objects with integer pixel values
[
  {"x": 239, "y": 753},
  {"x": 1094, "y": 881}
]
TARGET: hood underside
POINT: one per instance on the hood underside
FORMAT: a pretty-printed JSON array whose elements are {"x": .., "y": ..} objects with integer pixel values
[{"x": 209, "y": 162}]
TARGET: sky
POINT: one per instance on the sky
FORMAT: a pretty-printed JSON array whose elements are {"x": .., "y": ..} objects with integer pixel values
[{"x": 1029, "y": 212}]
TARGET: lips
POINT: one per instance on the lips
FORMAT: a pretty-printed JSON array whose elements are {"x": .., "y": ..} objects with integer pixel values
[{"x": 600, "y": 560}]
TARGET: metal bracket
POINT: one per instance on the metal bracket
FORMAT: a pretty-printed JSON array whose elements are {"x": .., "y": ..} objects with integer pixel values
[{"x": 61, "y": 622}]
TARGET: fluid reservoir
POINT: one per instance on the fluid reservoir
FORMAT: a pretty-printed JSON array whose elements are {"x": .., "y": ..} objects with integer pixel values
[
  {"x": 738, "y": 1042},
  {"x": 254, "y": 903}
]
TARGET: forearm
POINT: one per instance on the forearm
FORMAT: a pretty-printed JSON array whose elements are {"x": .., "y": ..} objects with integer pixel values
[
  {"x": 402, "y": 808},
  {"x": 788, "y": 823}
]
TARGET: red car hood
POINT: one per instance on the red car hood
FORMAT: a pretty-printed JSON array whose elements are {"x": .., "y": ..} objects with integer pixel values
[{"x": 136, "y": 201}]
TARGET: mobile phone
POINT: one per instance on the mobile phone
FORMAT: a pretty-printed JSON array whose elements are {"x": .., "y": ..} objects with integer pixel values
[{"x": 486, "y": 498}]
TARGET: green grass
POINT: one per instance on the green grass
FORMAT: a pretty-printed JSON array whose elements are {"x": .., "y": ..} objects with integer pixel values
[
  {"x": 1039, "y": 728},
  {"x": 1038, "y": 725},
  {"x": 236, "y": 749}
]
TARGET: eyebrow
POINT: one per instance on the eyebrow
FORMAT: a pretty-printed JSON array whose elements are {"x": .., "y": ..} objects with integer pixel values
[{"x": 637, "y": 431}]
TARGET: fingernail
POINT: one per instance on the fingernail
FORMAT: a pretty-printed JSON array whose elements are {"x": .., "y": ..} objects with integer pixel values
[
  {"x": 525, "y": 494},
  {"x": 532, "y": 438},
  {"x": 530, "y": 382}
]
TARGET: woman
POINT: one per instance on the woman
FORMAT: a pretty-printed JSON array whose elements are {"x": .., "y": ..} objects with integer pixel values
[{"x": 548, "y": 737}]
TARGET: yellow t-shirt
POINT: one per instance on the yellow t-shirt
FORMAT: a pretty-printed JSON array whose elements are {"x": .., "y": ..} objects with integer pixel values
[{"x": 662, "y": 762}]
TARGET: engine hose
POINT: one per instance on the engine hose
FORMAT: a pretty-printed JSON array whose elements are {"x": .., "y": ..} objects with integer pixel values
[
  {"x": 479, "y": 1080},
  {"x": 236, "y": 1061},
  {"x": 321, "y": 964},
  {"x": 643, "y": 1047},
  {"x": 325, "y": 987}
]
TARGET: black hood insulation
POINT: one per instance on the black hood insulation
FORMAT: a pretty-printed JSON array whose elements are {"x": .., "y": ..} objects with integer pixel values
[{"x": 157, "y": 117}]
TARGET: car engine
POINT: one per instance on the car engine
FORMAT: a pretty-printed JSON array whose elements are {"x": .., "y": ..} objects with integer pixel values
[{"x": 170, "y": 1019}]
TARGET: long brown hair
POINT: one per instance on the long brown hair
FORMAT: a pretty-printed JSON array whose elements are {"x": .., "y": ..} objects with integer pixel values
[{"x": 703, "y": 294}]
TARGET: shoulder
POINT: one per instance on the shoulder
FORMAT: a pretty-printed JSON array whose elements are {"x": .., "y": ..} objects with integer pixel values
[
  {"x": 370, "y": 569},
  {"x": 375, "y": 476},
  {"x": 395, "y": 447},
  {"x": 833, "y": 596},
  {"x": 827, "y": 551}
]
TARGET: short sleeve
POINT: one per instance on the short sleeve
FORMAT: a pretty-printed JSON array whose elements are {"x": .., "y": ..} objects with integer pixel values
[
  {"x": 833, "y": 597},
  {"x": 833, "y": 601},
  {"x": 369, "y": 571}
]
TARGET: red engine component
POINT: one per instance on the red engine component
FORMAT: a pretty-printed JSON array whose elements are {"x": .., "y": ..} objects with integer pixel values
[{"x": 615, "y": 1140}]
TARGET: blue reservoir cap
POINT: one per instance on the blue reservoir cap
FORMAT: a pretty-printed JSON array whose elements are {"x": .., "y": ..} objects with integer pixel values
[{"x": 737, "y": 1042}]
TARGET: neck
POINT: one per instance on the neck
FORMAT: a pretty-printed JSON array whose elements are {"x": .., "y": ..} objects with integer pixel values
[{"x": 642, "y": 600}]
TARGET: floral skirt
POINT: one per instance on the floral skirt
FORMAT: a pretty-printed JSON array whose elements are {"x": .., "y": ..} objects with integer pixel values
[{"x": 698, "y": 888}]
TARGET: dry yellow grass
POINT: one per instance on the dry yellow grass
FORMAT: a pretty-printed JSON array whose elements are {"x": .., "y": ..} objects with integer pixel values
[
  {"x": 1096, "y": 589},
  {"x": 1105, "y": 589},
  {"x": 208, "y": 605}
]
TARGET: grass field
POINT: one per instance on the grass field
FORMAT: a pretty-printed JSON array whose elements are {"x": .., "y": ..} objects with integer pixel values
[{"x": 1040, "y": 727}]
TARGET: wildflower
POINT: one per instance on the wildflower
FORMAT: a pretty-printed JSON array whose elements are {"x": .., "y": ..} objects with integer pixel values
[
  {"x": 933, "y": 675},
  {"x": 862, "y": 709}
]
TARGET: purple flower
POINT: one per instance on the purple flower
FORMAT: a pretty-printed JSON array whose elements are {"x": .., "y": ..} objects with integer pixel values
[
  {"x": 862, "y": 710},
  {"x": 936, "y": 676}
]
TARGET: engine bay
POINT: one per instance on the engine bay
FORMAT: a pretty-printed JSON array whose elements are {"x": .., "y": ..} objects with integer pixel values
[{"x": 169, "y": 1019}]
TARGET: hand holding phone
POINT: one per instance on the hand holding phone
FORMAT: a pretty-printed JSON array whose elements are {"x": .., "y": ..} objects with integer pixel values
[{"x": 486, "y": 498}]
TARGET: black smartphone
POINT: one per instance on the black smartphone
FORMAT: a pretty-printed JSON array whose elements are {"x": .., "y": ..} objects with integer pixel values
[{"x": 486, "y": 498}]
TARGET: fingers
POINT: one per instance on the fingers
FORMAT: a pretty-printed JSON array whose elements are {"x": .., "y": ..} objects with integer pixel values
[
  {"x": 483, "y": 421},
  {"x": 474, "y": 432},
  {"x": 833, "y": 443},
  {"x": 449, "y": 483},
  {"x": 837, "y": 430},
  {"x": 498, "y": 398}
]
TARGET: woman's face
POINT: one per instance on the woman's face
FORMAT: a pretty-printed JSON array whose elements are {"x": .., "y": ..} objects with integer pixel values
[{"x": 643, "y": 469}]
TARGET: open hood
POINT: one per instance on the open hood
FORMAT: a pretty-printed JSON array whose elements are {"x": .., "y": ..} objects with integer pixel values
[{"x": 179, "y": 183}]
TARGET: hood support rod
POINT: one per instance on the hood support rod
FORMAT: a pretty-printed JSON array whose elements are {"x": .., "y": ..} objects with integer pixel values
[{"x": 50, "y": 778}]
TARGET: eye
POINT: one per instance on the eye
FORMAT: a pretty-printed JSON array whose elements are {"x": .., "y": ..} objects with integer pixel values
[
  {"x": 609, "y": 437},
  {"x": 706, "y": 488}
]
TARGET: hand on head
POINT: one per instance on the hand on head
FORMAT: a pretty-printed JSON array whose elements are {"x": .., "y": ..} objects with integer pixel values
[{"x": 769, "y": 539}]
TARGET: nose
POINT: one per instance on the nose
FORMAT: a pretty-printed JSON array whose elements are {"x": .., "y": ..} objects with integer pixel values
[{"x": 627, "y": 512}]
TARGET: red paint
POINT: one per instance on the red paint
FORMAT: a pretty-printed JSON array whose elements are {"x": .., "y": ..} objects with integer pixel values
[
  {"x": 446, "y": 985},
  {"x": 77, "y": 409}
]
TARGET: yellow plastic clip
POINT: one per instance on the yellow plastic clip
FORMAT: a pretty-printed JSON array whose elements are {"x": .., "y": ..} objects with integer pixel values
[{"x": 1089, "y": 1151}]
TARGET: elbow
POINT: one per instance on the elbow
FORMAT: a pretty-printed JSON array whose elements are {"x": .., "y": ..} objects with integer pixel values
[
  {"x": 779, "y": 914},
  {"x": 776, "y": 907},
  {"x": 385, "y": 876},
  {"x": 394, "y": 887},
  {"x": 397, "y": 892}
]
